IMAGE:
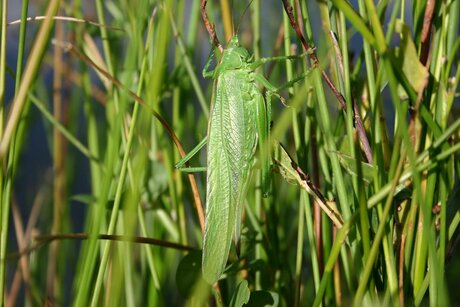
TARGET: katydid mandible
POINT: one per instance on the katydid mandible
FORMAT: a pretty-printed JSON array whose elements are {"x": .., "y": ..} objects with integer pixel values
[{"x": 239, "y": 120}]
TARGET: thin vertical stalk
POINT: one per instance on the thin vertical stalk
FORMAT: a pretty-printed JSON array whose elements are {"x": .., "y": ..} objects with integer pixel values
[
  {"x": 258, "y": 250},
  {"x": 59, "y": 168},
  {"x": 4, "y": 206},
  {"x": 4, "y": 13},
  {"x": 18, "y": 137},
  {"x": 226, "y": 19},
  {"x": 299, "y": 253}
]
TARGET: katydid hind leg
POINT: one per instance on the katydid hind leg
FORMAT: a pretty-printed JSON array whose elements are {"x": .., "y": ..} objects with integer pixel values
[
  {"x": 262, "y": 61},
  {"x": 263, "y": 114},
  {"x": 273, "y": 90},
  {"x": 292, "y": 82}
]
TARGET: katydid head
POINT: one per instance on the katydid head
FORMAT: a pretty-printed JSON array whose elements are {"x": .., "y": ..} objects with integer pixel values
[{"x": 234, "y": 55}]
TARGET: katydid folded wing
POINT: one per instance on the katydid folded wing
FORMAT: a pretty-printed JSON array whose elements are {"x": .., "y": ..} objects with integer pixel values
[{"x": 232, "y": 139}]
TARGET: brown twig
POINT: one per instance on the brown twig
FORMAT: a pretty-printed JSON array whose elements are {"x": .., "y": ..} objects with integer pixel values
[
  {"x": 357, "y": 119},
  {"x": 43, "y": 239},
  {"x": 401, "y": 270},
  {"x": 210, "y": 26},
  {"x": 426, "y": 31}
]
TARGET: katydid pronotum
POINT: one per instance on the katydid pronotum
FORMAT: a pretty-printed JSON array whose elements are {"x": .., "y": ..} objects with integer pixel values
[{"x": 240, "y": 119}]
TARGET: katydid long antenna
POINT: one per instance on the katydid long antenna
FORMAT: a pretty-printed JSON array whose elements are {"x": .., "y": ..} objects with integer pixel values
[{"x": 241, "y": 17}]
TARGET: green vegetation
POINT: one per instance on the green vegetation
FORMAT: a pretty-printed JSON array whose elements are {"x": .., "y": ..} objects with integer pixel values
[{"x": 365, "y": 168}]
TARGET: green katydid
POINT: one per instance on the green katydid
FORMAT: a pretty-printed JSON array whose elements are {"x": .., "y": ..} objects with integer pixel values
[{"x": 240, "y": 119}]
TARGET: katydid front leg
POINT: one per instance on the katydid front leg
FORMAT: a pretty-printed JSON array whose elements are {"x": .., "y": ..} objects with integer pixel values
[{"x": 180, "y": 165}]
